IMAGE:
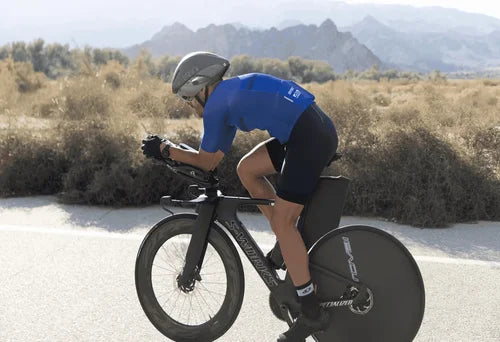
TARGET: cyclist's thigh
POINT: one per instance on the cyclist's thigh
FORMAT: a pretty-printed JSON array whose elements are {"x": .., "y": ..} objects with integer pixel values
[
  {"x": 312, "y": 143},
  {"x": 259, "y": 161}
]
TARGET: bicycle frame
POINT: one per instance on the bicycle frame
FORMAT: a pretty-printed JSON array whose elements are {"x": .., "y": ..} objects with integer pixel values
[{"x": 213, "y": 207}]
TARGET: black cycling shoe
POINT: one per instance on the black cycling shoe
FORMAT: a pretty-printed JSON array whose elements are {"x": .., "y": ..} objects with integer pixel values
[
  {"x": 275, "y": 258},
  {"x": 304, "y": 327}
]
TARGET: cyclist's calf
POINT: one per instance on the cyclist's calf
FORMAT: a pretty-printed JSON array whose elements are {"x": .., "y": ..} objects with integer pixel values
[{"x": 283, "y": 223}]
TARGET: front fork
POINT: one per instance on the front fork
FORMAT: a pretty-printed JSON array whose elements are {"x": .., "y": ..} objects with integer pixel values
[{"x": 197, "y": 248}]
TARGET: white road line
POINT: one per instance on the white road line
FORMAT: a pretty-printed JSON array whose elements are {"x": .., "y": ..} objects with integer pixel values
[{"x": 138, "y": 237}]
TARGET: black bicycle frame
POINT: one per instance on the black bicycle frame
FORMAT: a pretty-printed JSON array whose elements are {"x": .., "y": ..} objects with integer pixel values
[{"x": 214, "y": 207}]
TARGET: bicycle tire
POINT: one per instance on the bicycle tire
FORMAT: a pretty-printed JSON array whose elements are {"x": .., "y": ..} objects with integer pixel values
[
  {"x": 215, "y": 326},
  {"x": 386, "y": 267}
]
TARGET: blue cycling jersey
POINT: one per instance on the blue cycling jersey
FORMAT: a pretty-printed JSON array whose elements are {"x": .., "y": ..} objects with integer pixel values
[{"x": 248, "y": 102}]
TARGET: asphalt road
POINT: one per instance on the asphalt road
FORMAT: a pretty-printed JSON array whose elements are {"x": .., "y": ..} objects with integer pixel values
[{"x": 67, "y": 274}]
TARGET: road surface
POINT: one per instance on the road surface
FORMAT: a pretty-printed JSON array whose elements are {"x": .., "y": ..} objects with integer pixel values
[{"x": 67, "y": 274}]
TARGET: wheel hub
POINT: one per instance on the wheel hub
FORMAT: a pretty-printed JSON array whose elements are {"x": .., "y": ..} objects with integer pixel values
[
  {"x": 361, "y": 306},
  {"x": 189, "y": 285}
]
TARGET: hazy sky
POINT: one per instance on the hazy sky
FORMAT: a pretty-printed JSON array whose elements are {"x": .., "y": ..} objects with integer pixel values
[
  {"x": 489, "y": 7},
  {"x": 81, "y": 21}
]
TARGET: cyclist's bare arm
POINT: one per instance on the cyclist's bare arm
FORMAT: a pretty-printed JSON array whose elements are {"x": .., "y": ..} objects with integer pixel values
[{"x": 202, "y": 159}]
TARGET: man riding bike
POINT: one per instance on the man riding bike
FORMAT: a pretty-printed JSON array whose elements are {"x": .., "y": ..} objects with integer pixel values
[{"x": 303, "y": 141}]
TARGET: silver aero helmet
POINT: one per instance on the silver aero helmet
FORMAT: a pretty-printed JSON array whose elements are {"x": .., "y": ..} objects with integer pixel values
[{"x": 196, "y": 71}]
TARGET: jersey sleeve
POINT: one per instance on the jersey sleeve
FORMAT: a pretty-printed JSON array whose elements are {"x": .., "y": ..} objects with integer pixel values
[
  {"x": 227, "y": 139},
  {"x": 217, "y": 133},
  {"x": 217, "y": 136}
]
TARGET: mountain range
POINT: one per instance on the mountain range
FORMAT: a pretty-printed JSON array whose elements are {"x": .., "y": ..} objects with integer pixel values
[
  {"x": 424, "y": 51},
  {"x": 324, "y": 42},
  {"x": 360, "y": 46}
]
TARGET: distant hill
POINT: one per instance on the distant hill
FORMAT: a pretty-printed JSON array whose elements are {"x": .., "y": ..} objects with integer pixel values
[
  {"x": 424, "y": 51},
  {"x": 288, "y": 23},
  {"x": 341, "y": 50}
]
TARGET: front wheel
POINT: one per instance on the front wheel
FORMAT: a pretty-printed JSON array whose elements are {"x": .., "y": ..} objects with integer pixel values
[{"x": 203, "y": 312}]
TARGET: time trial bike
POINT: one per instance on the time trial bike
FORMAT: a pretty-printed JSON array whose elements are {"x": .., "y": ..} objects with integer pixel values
[{"x": 190, "y": 282}]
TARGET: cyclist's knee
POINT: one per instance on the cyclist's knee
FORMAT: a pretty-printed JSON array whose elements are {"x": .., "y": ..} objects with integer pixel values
[
  {"x": 284, "y": 216},
  {"x": 243, "y": 170}
]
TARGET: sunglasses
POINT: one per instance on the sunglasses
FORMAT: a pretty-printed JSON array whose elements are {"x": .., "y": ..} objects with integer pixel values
[{"x": 186, "y": 98}]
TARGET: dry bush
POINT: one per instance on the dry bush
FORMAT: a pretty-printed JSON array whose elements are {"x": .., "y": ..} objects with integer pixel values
[
  {"x": 86, "y": 98},
  {"x": 29, "y": 166},
  {"x": 146, "y": 104},
  {"x": 414, "y": 177},
  {"x": 112, "y": 79},
  {"x": 26, "y": 80},
  {"x": 382, "y": 100},
  {"x": 427, "y": 155},
  {"x": 490, "y": 83}
]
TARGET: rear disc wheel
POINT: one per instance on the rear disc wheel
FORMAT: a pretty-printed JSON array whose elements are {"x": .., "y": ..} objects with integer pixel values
[{"x": 393, "y": 307}]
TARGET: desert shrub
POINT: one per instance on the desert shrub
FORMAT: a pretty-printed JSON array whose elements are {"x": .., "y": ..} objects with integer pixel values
[
  {"x": 166, "y": 67},
  {"x": 490, "y": 83},
  {"x": 26, "y": 79},
  {"x": 299, "y": 69},
  {"x": 240, "y": 65},
  {"x": 275, "y": 67},
  {"x": 405, "y": 116},
  {"x": 146, "y": 104},
  {"x": 178, "y": 110},
  {"x": 382, "y": 100},
  {"x": 143, "y": 65},
  {"x": 108, "y": 168},
  {"x": 485, "y": 144},
  {"x": 150, "y": 104},
  {"x": 430, "y": 158},
  {"x": 305, "y": 71},
  {"x": 86, "y": 98},
  {"x": 48, "y": 109},
  {"x": 112, "y": 79},
  {"x": 29, "y": 166},
  {"x": 414, "y": 177},
  {"x": 103, "y": 56},
  {"x": 437, "y": 77},
  {"x": 352, "y": 115}
]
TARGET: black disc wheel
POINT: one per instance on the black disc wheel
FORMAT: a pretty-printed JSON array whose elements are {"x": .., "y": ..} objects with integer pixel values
[
  {"x": 392, "y": 307},
  {"x": 202, "y": 311}
]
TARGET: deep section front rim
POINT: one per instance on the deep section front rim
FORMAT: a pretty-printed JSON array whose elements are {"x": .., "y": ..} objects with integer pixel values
[{"x": 180, "y": 227}]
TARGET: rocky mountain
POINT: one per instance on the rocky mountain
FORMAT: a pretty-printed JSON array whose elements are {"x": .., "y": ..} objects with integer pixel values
[
  {"x": 324, "y": 42},
  {"x": 425, "y": 51}
]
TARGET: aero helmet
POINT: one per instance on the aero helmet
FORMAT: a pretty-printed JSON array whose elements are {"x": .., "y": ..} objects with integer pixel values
[{"x": 196, "y": 71}]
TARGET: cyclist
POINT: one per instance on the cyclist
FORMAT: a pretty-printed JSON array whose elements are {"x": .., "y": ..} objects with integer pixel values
[{"x": 303, "y": 140}]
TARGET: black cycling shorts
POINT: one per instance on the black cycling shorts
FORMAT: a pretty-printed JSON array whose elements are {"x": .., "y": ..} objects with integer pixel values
[{"x": 300, "y": 161}]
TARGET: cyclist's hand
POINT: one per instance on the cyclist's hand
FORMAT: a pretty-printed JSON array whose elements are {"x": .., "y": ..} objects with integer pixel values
[{"x": 151, "y": 147}]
